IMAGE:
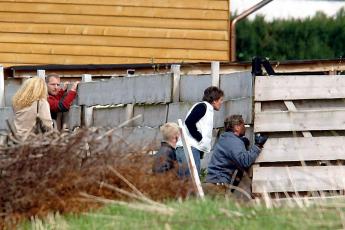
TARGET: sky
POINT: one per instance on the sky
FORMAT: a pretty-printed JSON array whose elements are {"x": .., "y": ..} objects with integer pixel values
[{"x": 288, "y": 8}]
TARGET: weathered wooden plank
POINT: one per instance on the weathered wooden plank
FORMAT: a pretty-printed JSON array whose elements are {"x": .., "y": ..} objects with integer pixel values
[
  {"x": 125, "y": 90},
  {"x": 242, "y": 106},
  {"x": 237, "y": 85},
  {"x": 290, "y": 179},
  {"x": 300, "y": 120},
  {"x": 130, "y": 55},
  {"x": 5, "y": 113},
  {"x": 192, "y": 87},
  {"x": 193, "y": 4},
  {"x": 295, "y": 87},
  {"x": 11, "y": 88},
  {"x": 111, "y": 47},
  {"x": 2, "y": 87},
  {"x": 303, "y": 149},
  {"x": 129, "y": 11},
  {"x": 291, "y": 107},
  {"x": 115, "y": 21},
  {"x": 10, "y": 43},
  {"x": 23, "y": 27}
]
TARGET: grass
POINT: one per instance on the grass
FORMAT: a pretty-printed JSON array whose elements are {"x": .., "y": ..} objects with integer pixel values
[{"x": 208, "y": 214}]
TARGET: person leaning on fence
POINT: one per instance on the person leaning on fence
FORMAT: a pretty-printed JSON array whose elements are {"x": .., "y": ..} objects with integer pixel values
[
  {"x": 199, "y": 124},
  {"x": 230, "y": 157},
  {"x": 165, "y": 158},
  {"x": 31, "y": 108},
  {"x": 59, "y": 100}
]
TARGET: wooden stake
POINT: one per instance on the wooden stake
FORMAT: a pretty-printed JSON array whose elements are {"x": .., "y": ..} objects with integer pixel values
[
  {"x": 175, "y": 69},
  {"x": 191, "y": 163},
  {"x": 41, "y": 73},
  {"x": 87, "y": 111},
  {"x": 2, "y": 87},
  {"x": 215, "y": 73}
]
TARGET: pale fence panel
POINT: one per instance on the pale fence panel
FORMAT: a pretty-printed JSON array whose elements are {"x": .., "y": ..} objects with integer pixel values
[
  {"x": 241, "y": 106},
  {"x": 237, "y": 85},
  {"x": 303, "y": 149},
  {"x": 72, "y": 118},
  {"x": 152, "y": 115},
  {"x": 192, "y": 87},
  {"x": 124, "y": 90},
  {"x": 300, "y": 120},
  {"x": 11, "y": 88},
  {"x": 5, "y": 113},
  {"x": 298, "y": 178},
  {"x": 268, "y": 88}
]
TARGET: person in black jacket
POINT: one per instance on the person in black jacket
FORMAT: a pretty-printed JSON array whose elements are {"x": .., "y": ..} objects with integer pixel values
[{"x": 165, "y": 158}]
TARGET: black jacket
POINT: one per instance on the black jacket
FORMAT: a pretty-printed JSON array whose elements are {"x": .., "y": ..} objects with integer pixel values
[{"x": 164, "y": 159}]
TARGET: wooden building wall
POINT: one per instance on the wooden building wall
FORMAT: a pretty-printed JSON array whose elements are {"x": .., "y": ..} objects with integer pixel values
[{"x": 108, "y": 32}]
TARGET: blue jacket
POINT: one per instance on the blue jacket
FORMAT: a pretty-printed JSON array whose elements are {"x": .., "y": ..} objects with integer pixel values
[{"x": 229, "y": 154}]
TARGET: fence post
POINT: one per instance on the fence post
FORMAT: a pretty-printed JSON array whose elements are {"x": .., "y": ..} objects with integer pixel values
[
  {"x": 2, "y": 87},
  {"x": 215, "y": 73},
  {"x": 41, "y": 73},
  {"x": 86, "y": 120},
  {"x": 176, "y": 70}
]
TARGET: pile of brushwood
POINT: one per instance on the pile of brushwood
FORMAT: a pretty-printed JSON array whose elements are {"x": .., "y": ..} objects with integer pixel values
[{"x": 73, "y": 172}]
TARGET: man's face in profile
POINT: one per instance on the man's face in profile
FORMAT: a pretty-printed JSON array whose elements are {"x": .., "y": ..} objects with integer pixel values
[{"x": 53, "y": 86}]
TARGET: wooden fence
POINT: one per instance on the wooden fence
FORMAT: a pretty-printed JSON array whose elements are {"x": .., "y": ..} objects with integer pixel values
[
  {"x": 305, "y": 119},
  {"x": 159, "y": 98}
]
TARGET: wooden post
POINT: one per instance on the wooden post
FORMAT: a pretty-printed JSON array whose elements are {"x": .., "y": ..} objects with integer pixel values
[
  {"x": 41, "y": 73},
  {"x": 191, "y": 163},
  {"x": 215, "y": 73},
  {"x": 176, "y": 70},
  {"x": 2, "y": 87},
  {"x": 86, "y": 111}
]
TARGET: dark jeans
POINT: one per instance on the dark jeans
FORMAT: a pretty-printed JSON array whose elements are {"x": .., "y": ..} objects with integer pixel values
[{"x": 183, "y": 170}]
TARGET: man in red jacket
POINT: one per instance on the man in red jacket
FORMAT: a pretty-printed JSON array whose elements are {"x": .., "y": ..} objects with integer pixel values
[{"x": 59, "y": 100}]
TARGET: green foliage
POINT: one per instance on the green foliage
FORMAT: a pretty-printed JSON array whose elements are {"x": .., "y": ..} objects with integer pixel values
[
  {"x": 209, "y": 214},
  {"x": 319, "y": 37}
]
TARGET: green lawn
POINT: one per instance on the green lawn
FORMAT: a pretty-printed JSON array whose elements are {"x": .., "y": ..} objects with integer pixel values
[{"x": 208, "y": 214}]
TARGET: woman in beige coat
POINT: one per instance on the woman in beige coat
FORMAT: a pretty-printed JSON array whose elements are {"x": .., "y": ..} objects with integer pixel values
[{"x": 29, "y": 102}]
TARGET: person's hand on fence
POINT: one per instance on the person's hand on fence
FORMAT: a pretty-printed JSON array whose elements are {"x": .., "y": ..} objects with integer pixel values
[
  {"x": 75, "y": 86},
  {"x": 65, "y": 85},
  {"x": 260, "y": 140}
]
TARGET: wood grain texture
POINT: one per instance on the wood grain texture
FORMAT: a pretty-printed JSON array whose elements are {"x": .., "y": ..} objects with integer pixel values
[
  {"x": 290, "y": 179},
  {"x": 300, "y": 120},
  {"x": 290, "y": 149},
  {"x": 299, "y": 87}
]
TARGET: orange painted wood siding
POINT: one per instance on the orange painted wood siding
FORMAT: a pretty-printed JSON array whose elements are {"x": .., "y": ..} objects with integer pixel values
[{"x": 113, "y": 31}]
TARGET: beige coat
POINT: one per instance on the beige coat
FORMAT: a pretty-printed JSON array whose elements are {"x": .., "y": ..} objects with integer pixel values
[{"x": 25, "y": 119}]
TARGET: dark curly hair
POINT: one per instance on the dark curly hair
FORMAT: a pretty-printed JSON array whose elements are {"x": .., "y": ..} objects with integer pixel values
[{"x": 212, "y": 94}]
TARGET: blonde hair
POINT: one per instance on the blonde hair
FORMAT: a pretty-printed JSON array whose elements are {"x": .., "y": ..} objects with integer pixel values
[
  {"x": 168, "y": 130},
  {"x": 31, "y": 90}
]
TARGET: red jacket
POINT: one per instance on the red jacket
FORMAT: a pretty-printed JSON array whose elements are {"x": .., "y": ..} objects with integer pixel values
[{"x": 60, "y": 103}]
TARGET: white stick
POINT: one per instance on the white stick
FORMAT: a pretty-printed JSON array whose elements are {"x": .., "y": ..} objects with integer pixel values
[
  {"x": 191, "y": 163},
  {"x": 87, "y": 110},
  {"x": 176, "y": 70},
  {"x": 215, "y": 73},
  {"x": 2, "y": 87},
  {"x": 41, "y": 73}
]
